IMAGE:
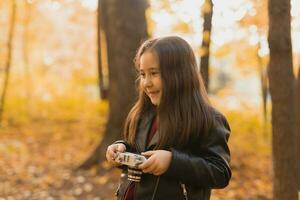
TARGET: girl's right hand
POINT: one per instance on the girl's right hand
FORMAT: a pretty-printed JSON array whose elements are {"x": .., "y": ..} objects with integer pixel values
[{"x": 112, "y": 151}]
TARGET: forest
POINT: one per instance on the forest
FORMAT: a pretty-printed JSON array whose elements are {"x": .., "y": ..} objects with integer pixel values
[{"x": 67, "y": 83}]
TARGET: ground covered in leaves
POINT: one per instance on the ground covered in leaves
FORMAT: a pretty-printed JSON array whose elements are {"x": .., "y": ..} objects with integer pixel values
[{"x": 39, "y": 156}]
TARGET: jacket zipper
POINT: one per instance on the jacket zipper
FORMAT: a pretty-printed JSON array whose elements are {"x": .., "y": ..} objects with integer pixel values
[
  {"x": 118, "y": 189},
  {"x": 184, "y": 191},
  {"x": 155, "y": 189}
]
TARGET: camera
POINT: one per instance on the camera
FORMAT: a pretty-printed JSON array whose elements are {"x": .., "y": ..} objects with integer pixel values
[{"x": 132, "y": 161}]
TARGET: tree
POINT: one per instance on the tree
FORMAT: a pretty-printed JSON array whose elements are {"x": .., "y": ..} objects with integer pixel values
[
  {"x": 103, "y": 88},
  {"x": 297, "y": 100},
  {"x": 282, "y": 90},
  {"x": 125, "y": 27},
  {"x": 204, "y": 62},
  {"x": 9, "y": 57},
  {"x": 298, "y": 126},
  {"x": 264, "y": 83},
  {"x": 260, "y": 21}
]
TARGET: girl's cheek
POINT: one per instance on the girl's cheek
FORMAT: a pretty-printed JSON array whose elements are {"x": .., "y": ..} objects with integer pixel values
[
  {"x": 143, "y": 82},
  {"x": 142, "y": 85}
]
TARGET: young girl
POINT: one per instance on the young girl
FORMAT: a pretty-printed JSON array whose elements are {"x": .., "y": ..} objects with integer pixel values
[{"x": 174, "y": 126}]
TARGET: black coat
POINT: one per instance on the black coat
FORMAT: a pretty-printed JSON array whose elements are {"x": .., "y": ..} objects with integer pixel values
[{"x": 195, "y": 170}]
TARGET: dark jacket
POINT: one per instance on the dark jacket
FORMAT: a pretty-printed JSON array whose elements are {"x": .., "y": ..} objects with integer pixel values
[{"x": 195, "y": 170}]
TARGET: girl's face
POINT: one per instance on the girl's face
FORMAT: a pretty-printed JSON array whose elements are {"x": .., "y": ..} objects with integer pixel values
[{"x": 150, "y": 78}]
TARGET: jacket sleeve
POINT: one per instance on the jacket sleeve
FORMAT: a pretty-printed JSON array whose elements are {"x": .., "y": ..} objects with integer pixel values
[{"x": 209, "y": 166}]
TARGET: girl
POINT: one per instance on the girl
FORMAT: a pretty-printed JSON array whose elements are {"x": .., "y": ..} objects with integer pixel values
[{"x": 174, "y": 126}]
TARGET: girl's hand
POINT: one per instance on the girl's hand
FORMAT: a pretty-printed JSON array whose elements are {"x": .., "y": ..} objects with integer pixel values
[
  {"x": 112, "y": 151},
  {"x": 157, "y": 163}
]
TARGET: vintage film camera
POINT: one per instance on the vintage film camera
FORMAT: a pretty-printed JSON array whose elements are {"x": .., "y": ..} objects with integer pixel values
[{"x": 132, "y": 161}]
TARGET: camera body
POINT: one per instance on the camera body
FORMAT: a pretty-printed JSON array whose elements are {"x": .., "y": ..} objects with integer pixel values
[{"x": 132, "y": 161}]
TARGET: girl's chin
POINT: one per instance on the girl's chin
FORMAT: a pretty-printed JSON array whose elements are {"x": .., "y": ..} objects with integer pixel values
[
  {"x": 154, "y": 102},
  {"x": 154, "y": 98}
]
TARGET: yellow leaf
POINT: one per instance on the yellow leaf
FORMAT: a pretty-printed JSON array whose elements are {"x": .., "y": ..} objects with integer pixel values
[
  {"x": 206, "y": 7},
  {"x": 182, "y": 27},
  {"x": 202, "y": 51},
  {"x": 206, "y": 36}
]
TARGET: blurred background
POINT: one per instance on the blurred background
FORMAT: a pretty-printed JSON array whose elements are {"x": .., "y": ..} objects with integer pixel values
[{"x": 67, "y": 83}]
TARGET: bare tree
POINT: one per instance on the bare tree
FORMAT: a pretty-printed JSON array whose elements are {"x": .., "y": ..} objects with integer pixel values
[
  {"x": 204, "y": 61},
  {"x": 282, "y": 81},
  {"x": 264, "y": 83},
  {"x": 9, "y": 57},
  {"x": 297, "y": 100},
  {"x": 125, "y": 27},
  {"x": 103, "y": 88}
]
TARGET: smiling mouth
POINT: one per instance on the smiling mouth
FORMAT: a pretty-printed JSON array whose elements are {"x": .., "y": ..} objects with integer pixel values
[{"x": 153, "y": 93}]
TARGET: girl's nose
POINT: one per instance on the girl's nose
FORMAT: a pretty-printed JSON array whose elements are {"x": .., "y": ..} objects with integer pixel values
[{"x": 148, "y": 81}]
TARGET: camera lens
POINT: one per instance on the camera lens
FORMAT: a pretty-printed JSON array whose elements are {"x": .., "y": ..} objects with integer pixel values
[{"x": 134, "y": 175}]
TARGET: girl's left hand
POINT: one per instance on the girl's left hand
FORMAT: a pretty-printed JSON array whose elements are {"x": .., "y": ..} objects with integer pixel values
[{"x": 157, "y": 163}]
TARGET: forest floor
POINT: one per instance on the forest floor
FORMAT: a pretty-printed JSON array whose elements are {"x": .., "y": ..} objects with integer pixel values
[{"x": 39, "y": 157}]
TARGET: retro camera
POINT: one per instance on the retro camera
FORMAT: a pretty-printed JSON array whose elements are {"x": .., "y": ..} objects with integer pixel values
[{"x": 132, "y": 161}]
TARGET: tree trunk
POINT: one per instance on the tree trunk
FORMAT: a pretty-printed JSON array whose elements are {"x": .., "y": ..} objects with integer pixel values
[
  {"x": 9, "y": 58},
  {"x": 264, "y": 91},
  {"x": 298, "y": 127},
  {"x": 125, "y": 26},
  {"x": 204, "y": 60},
  {"x": 103, "y": 88},
  {"x": 263, "y": 85},
  {"x": 282, "y": 91}
]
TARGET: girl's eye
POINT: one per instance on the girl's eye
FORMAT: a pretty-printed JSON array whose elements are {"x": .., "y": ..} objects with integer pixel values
[
  {"x": 154, "y": 73},
  {"x": 142, "y": 75}
]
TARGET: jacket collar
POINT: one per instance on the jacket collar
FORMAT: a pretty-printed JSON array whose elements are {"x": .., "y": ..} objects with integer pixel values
[{"x": 142, "y": 133}]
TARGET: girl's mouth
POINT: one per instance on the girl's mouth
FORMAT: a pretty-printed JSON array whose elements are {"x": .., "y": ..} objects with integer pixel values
[{"x": 153, "y": 93}]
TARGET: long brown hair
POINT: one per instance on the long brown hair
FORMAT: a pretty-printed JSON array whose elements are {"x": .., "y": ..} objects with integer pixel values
[{"x": 184, "y": 109}]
